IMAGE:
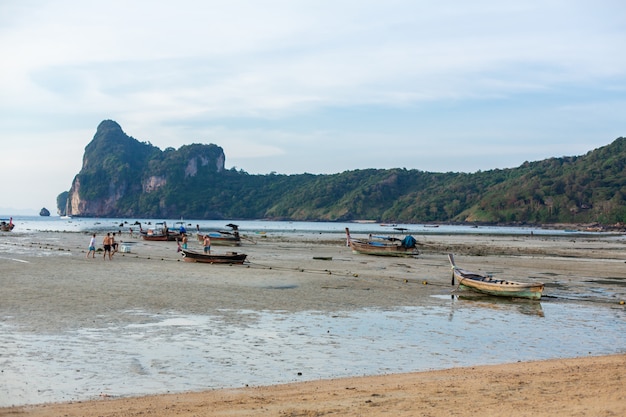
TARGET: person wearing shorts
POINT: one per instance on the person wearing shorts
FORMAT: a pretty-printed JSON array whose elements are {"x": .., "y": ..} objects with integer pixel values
[
  {"x": 207, "y": 244},
  {"x": 92, "y": 246},
  {"x": 106, "y": 242}
]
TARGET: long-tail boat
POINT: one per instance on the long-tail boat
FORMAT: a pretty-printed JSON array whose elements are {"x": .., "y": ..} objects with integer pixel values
[
  {"x": 499, "y": 287},
  {"x": 6, "y": 227},
  {"x": 214, "y": 258},
  {"x": 223, "y": 237},
  {"x": 383, "y": 245}
]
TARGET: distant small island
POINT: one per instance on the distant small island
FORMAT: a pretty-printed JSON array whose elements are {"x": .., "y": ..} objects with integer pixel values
[{"x": 44, "y": 212}]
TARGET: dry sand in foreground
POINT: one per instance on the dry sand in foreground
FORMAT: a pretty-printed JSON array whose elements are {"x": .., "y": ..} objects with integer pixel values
[{"x": 571, "y": 387}]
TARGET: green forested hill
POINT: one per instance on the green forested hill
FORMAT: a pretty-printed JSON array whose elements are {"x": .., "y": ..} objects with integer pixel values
[{"x": 123, "y": 177}]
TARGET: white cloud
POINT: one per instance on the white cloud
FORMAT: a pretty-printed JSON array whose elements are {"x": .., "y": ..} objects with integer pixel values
[{"x": 270, "y": 81}]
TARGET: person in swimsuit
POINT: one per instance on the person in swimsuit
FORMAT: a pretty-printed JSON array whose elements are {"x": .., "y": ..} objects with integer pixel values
[
  {"x": 184, "y": 240},
  {"x": 106, "y": 242},
  {"x": 207, "y": 244}
]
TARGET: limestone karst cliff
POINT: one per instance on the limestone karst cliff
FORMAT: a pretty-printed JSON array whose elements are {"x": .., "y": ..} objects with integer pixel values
[{"x": 121, "y": 176}]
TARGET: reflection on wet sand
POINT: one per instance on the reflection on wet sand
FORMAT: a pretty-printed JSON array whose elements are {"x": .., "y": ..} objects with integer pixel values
[{"x": 528, "y": 307}]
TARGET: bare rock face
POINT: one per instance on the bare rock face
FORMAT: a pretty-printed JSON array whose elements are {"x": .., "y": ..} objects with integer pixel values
[{"x": 121, "y": 176}]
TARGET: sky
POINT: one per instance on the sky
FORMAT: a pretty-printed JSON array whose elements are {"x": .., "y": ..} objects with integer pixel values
[{"x": 309, "y": 86}]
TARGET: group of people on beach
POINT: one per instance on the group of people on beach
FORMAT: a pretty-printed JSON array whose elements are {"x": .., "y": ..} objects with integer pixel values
[
  {"x": 206, "y": 243},
  {"x": 108, "y": 243}
]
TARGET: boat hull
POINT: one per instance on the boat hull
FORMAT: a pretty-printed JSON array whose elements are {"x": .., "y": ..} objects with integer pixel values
[
  {"x": 220, "y": 239},
  {"x": 226, "y": 258},
  {"x": 387, "y": 247},
  {"x": 531, "y": 291},
  {"x": 155, "y": 238},
  {"x": 496, "y": 287},
  {"x": 169, "y": 237},
  {"x": 7, "y": 226},
  {"x": 381, "y": 250}
]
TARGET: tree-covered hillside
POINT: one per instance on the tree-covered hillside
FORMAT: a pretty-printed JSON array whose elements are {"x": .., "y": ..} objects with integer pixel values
[{"x": 122, "y": 177}]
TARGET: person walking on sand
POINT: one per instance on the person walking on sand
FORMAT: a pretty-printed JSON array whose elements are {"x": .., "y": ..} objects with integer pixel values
[
  {"x": 92, "y": 246},
  {"x": 106, "y": 242},
  {"x": 207, "y": 244}
]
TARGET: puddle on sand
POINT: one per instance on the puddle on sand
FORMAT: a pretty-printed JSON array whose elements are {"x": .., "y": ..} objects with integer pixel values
[{"x": 174, "y": 352}]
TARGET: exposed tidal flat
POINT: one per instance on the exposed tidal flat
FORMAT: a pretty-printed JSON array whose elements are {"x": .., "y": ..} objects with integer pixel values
[{"x": 304, "y": 308}]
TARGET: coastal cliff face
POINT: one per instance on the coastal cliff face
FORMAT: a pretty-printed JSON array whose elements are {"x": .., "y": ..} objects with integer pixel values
[{"x": 121, "y": 176}]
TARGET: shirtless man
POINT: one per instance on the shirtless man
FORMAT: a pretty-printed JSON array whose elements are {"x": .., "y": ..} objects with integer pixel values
[
  {"x": 106, "y": 242},
  {"x": 207, "y": 244}
]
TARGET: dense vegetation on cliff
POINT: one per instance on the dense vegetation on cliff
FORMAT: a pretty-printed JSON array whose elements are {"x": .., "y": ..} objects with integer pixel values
[{"x": 122, "y": 177}]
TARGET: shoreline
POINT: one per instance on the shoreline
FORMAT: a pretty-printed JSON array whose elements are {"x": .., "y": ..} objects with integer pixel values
[{"x": 564, "y": 387}]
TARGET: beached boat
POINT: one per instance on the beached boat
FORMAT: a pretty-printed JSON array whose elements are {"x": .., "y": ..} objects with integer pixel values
[
  {"x": 383, "y": 245},
  {"x": 223, "y": 237},
  {"x": 499, "y": 287},
  {"x": 160, "y": 233},
  {"x": 155, "y": 237},
  {"x": 214, "y": 258},
  {"x": 6, "y": 226}
]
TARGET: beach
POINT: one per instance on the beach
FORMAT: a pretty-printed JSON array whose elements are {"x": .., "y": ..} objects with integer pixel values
[
  {"x": 50, "y": 289},
  {"x": 568, "y": 387}
]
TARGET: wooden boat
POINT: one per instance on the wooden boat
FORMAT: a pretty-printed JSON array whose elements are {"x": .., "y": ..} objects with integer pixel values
[
  {"x": 155, "y": 237},
  {"x": 6, "y": 226},
  {"x": 211, "y": 258},
  {"x": 383, "y": 245},
  {"x": 488, "y": 285},
  {"x": 223, "y": 237},
  {"x": 160, "y": 233}
]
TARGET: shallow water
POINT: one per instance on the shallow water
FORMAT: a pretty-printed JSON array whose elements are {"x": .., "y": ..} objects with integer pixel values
[
  {"x": 85, "y": 224},
  {"x": 148, "y": 354}
]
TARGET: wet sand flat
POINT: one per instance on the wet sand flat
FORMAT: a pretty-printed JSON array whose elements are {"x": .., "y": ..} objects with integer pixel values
[{"x": 49, "y": 287}]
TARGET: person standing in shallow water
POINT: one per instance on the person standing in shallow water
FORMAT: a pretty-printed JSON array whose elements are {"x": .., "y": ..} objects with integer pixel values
[
  {"x": 106, "y": 242},
  {"x": 92, "y": 246}
]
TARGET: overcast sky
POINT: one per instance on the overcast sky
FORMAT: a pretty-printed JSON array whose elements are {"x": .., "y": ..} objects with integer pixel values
[{"x": 307, "y": 86}]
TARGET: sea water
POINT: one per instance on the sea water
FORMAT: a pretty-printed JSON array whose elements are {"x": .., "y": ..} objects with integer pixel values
[
  {"x": 84, "y": 224},
  {"x": 173, "y": 352}
]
